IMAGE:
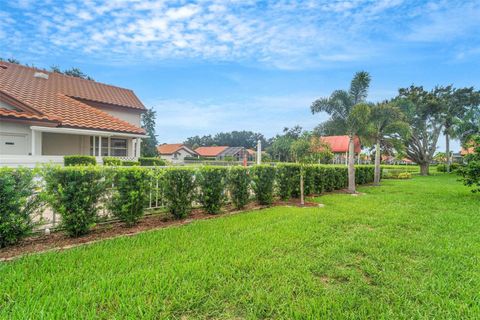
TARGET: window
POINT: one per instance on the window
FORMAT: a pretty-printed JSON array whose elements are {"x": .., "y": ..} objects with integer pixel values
[{"x": 118, "y": 147}]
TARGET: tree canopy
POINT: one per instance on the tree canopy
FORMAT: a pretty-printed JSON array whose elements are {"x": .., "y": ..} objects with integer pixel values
[{"x": 149, "y": 145}]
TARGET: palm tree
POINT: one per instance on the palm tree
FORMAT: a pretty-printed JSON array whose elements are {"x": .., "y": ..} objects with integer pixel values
[
  {"x": 386, "y": 122},
  {"x": 348, "y": 111}
]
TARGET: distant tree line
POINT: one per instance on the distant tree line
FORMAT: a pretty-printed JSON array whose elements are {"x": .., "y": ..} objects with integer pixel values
[{"x": 246, "y": 139}]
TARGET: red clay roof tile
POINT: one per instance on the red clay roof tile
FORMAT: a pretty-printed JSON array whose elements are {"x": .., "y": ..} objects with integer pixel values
[{"x": 52, "y": 98}]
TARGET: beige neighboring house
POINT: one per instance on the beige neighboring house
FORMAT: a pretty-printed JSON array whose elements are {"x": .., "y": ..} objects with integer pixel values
[
  {"x": 175, "y": 152},
  {"x": 46, "y": 115}
]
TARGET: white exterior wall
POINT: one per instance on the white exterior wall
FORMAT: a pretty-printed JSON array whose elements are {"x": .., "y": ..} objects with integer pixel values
[
  {"x": 177, "y": 157},
  {"x": 58, "y": 144},
  {"x": 132, "y": 117},
  {"x": 18, "y": 129}
]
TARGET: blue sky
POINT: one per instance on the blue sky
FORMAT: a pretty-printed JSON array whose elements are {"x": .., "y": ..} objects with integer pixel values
[{"x": 219, "y": 65}]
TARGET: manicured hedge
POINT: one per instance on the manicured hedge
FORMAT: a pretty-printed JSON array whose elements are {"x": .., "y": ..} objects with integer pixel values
[
  {"x": 130, "y": 163},
  {"x": 78, "y": 160},
  {"x": 212, "y": 186},
  {"x": 239, "y": 186},
  {"x": 77, "y": 193},
  {"x": 18, "y": 203},
  {"x": 74, "y": 192},
  {"x": 111, "y": 161},
  {"x": 130, "y": 195},
  {"x": 151, "y": 161},
  {"x": 263, "y": 179},
  {"x": 179, "y": 190}
]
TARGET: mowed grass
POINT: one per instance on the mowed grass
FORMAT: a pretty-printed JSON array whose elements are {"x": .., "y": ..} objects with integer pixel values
[{"x": 408, "y": 249}]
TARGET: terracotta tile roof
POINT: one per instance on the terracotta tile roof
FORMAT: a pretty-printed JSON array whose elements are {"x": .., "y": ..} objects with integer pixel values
[
  {"x": 169, "y": 148},
  {"x": 465, "y": 151},
  {"x": 210, "y": 151},
  {"x": 7, "y": 113},
  {"x": 52, "y": 97},
  {"x": 339, "y": 144}
]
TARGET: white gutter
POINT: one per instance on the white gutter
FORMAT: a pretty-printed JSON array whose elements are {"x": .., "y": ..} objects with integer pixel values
[{"x": 85, "y": 132}]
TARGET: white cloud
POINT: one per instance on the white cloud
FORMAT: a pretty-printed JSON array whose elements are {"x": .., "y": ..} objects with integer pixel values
[{"x": 291, "y": 35}]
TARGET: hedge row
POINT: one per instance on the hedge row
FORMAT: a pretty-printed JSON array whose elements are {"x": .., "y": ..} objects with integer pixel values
[
  {"x": 77, "y": 193},
  {"x": 79, "y": 160}
]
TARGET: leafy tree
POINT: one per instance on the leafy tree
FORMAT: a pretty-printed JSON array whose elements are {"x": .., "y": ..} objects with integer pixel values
[
  {"x": 246, "y": 139},
  {"x": 455, "y": 104},
  {"x": 471, "y": 172},
  {"x": 348, "y": 111},
  {"x": 468, "y": 127},
  {"x": 386, "y": 123},
  {"x": 56, "y": 69},
  {"x": 422, "y": 112},
  {"x": 149, "y": 145},
  {"x": 302, "y": 152},
  {"x": 77, "y": 73}
]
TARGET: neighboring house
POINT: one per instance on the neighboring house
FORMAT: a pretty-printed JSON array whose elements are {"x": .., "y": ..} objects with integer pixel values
[
  {"x": 46, "y": 115},
  {"x": 175, "y": 152},
  {"x": 339, "y": 147},
  {"x": 222, "y": 153}
]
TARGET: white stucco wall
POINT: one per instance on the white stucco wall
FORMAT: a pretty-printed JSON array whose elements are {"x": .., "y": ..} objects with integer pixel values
[
  {"x": 17, "y": 129},
  {"x": 132, "y": 116},
  {"x": 56, "y": 144},
  {"x": 180, "y": 156}
]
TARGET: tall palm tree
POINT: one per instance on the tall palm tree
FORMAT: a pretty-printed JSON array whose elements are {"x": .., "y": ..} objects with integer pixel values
[
  {"x": 386, "y": 122},
  {"x": 348, "y": 111}
]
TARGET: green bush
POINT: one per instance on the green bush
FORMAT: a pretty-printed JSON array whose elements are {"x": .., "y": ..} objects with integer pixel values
[
  {"x": 288, "y": 180},
  {"x": 79, "y": 160},
  {"x": 239, "y": 186},
  {"x": 74, "y": 192},
  {"x": 212, "y": 185},
  {"x": 179, "y": 191},
  {"x": 263, "y": 178},
  {"x": 151, "y": 162},
  {"x": 130, "y": 163},
  {"x": 405, "y": 175},
  {"x": 471, "y": 171},
  {"x": 394, "y": 173},
  {"x": 18, "y": 203},
  {"x": 130, "y": 194},
  {"x": 443, "y": 167},
  {"x": 111, "y": 161}
]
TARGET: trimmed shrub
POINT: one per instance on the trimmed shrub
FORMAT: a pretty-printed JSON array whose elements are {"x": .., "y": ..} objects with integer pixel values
[
  {"x": 111, "y": 161},
  {"x": 74, "y": 192},
  {"x": 288, "y": 180},
  {"x": 239, "y": 186},
  {"x": 393, "y": 173},
  {"x": 405, "y": 175},
  {"x": 79, "y": 160},
  {"x": 212, "y": 184},
  {"x": 130, "y": 194},
  {"x": 263, "y": 178},
  {"x": 151, "y": 162},
  {"x": 443, "y": 167},
  {"x": 130, "y": 163},
  {"x": 179, "y": 191},
  {"x": 18, "y": 203}
]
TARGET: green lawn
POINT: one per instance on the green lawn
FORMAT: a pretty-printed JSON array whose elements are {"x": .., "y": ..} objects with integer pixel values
[{"x": 409, "y": 249}]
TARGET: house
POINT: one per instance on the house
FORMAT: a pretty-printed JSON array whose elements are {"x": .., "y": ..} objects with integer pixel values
[
  {"x": 175, "y": 152},
  {"x": 222, "y": 153},
  {"x": 339, "y": 147},
  {"x": 46, "y": 115}
]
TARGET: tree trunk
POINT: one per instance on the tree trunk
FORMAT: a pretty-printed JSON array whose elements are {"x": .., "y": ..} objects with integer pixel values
[
  {"x": 302, "y": 198},
  {"x": 447, "y": 144},
  {"x": 376, "y": 180},
  {"x": 424, "y": 169},
  {"x": 351, "y": 165}
]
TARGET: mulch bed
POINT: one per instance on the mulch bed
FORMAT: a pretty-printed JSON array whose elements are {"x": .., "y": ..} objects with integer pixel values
[{"x": 60, "y": 241}]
